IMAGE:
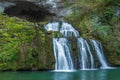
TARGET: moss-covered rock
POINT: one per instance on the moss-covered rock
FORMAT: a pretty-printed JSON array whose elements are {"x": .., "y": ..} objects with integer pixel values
[
  {"x": 101, "y": 23},
  {"x": 25, "y": 46}
]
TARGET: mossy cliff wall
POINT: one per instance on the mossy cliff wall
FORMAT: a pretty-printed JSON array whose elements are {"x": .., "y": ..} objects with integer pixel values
[
  {"x": 24, "y": 46},
  {"x": 100, "y": 20}
]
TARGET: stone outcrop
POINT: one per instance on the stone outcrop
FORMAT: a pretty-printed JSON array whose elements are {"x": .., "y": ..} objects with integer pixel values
[
  {"x": 36, "y": 8},
  {"x": 29, "y": 11}
]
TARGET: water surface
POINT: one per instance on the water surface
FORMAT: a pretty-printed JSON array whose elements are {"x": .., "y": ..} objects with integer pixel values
[{"x": 103, "y": 74}]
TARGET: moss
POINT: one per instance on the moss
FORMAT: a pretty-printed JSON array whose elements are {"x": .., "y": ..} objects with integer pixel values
[
  {"x": 23, "y": 46},
  {"x": 101, "y": 23},
  {"x": 8, "y": 66}
]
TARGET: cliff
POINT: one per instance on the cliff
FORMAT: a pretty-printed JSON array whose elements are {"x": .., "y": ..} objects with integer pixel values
[{"x": 23, "y": 46}]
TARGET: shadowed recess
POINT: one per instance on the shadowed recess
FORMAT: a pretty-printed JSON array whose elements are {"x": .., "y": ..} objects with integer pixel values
[{"x": 29, "y": 11}]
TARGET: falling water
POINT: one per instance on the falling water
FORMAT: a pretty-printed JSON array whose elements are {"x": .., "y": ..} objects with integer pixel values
[
  {"x": 87, "y": 60},
  {"x": 99, "y": 51},
  {"x": 61, "y": 46},
  {"x": 66, "y": 29},
  {"x": 63, "y": 53}
]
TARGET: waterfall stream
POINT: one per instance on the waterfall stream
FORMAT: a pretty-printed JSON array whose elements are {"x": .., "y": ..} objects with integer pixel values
[
  {"x": 85, "y": 52},
  {"x": 99, "y": 51},
  {"x": 61, "y": 50},
  {"x": 87, "y": 60}
]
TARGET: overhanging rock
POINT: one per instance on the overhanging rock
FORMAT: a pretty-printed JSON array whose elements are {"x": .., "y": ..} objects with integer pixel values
[{"x": 54, "y": 6}]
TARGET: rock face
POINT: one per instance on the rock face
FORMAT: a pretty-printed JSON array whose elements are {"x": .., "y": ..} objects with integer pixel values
[
  {"x": 29, "y": 11},
  {"x": 55, "y": 6},
  {"x": 47, "y": 6},
  {"x": 36, "y": 11}
]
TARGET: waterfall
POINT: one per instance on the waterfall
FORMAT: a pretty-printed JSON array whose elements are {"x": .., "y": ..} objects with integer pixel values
[
  {"x": 62, "y": 54},
  {"x": 87, "y": 60},
  {"x": 99, "y": 51},
  {"x": 85, "y": 52},
  {"x": 66, "y": 29},
  {"x": 61, "y": 45},
  {"x": 52, "y": 2}
]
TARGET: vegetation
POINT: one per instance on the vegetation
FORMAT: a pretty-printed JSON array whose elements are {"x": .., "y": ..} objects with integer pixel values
[
  {"x": 97, "y": 19},
  {"x": 13, "y": 33},
  {"x": 23, "y": 46}
]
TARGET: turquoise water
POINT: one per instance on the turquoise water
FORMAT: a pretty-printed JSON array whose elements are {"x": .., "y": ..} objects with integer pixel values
[{"x": 110, "y": 74}]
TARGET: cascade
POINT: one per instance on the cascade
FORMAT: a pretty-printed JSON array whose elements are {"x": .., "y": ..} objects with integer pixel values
[
  {"x": 87, "y": 60},
  {"x": 62, "y": 54},
  {"x": 87, "y": 50},
  {"x": 99, "y": 51}
]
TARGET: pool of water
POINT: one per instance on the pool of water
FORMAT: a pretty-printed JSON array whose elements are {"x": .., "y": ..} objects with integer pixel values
[{"x": 102, "y": 74}]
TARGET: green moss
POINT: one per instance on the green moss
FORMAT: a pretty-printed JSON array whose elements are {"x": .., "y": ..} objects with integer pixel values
[
  {"x": 94, "y": 21},
  {"x": 15, "y": 32}
]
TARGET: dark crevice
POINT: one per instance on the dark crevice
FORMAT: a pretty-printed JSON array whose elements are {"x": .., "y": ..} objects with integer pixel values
[{"x": 29, "y": 11}]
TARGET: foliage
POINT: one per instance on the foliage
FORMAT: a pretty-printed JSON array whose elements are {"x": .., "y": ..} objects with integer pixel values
[
  {"x": 24, "y": 46},
  {"x": 97, "y": 19},
  {"x": 13, "y": 33}
]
